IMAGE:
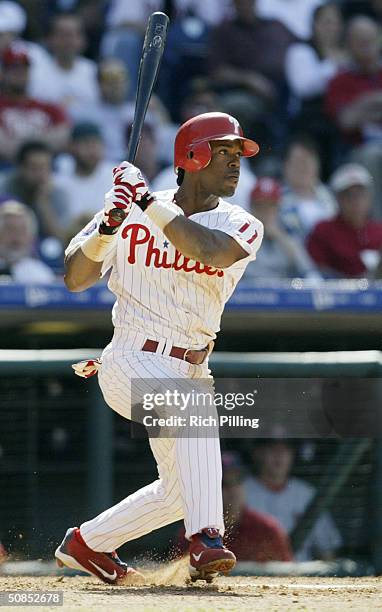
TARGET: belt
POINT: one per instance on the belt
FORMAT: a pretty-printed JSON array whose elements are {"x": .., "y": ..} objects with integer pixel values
[{"x": 194, "y": 356}]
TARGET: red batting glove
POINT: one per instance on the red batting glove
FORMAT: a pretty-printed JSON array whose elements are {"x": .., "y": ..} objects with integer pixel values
[
  {"x": 129, "y": 183},
  {"x": 117, "y": 204}
]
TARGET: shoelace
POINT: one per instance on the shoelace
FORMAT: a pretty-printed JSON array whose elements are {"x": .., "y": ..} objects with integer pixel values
[
  {"x": 212, "y": 542},
  {"x": 114, "y": 557}
]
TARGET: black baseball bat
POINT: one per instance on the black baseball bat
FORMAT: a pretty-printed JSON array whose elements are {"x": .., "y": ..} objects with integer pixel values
[{"x": 152, "y": 52}]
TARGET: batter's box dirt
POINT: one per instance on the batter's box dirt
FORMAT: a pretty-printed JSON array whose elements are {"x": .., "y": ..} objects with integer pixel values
[{"x": 234, "y": 594}]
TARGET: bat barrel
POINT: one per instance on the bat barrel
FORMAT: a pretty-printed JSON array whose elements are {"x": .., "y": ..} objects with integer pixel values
[{"x": 152, "y": 52}]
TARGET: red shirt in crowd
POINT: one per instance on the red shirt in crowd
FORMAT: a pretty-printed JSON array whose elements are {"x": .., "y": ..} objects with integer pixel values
[
  {"x": 336, "y": 245},
  {"x": 29, "y": 118},
  {"x": 347, "y": 87},
  {"x": 256, "y": 537}
]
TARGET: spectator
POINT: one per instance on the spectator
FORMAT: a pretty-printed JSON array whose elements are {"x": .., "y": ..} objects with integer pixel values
[
  {"x": 113, "y": 114},
  {"x": 371, "y": 8},
  {"x": 212, "y": 12},
  {"x": 354, "y": 96},
  {"x": 185, "y": 58},
  {"x": 22, "y": 117},
  {"x": 275, "y": 492},
  {"x": 248, "y": 72},
  {"x": 252, "y": 535},
  {"x": 88, "y": 175},
  {"x": 280, "y": 256},
  {"x": 350, "y": 244},
  {"x": 65, "y": 76},
  {"x": 12, "y": 23},
  {"x": 32, "y": 183},
  {"x": 18, "y": 233},
  {"x": 305, "y": 199},
  {"x": 308, "y": 67},
  {"x": 110, "y": 111},
  {"x": 296, "y": 15},
  {"x": 126, "y": 24},
  {"x": 146, "y": 159}
]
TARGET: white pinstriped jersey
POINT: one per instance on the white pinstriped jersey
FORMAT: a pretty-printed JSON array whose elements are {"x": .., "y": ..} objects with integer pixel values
[{"x": 163, "y": 293}]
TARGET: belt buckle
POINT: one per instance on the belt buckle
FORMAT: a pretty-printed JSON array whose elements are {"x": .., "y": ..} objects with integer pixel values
[{"x": 186, "y": 353}]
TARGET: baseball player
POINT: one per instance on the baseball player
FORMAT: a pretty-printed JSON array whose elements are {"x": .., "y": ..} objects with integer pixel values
[{"x": 175, "y": 258}]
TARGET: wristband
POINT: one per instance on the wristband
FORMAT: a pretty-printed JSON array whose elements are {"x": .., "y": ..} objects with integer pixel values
[
  {"x": 161, "y": 214},
  {"x": 96, "y": 246}
]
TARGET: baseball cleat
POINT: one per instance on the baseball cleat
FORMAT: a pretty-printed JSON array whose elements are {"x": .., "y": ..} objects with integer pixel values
[
  {"x": 108, "y": 567},
  {"x": 208, "y": 556}
]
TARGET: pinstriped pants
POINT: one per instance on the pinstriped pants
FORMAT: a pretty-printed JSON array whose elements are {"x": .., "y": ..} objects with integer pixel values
[{"x": 189, "y": 468}]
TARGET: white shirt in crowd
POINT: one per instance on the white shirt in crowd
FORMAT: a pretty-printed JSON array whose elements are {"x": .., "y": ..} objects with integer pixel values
[
  {"x": 85, "y": 194},
  {"x": 132, "y": 11},
  {"x": 137, "y": 11},
  {"x": 307, "y": 74},
  {"x": 167, "y": 179},
  {"x": 30, "y": 271},
  {"x": 287, "y": 505},
  {"x": 163, "y": 293},
  {"x": 49, "y": 82},
  {"x": 296, "y": 15}
]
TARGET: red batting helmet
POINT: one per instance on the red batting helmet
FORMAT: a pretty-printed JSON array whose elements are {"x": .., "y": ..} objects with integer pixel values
[{"x": 192, "y": 149}]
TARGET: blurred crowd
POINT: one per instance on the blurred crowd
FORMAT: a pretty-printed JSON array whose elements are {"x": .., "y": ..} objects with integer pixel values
[
  {"x": 304, "y": 78},
  {"x": 263, "y": 505}
]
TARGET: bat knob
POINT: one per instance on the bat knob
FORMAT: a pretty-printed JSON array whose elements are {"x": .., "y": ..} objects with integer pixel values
[{"x": 117, "y": 215}]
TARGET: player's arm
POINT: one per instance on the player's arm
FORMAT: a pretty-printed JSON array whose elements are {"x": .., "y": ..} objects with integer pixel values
[
  {"x": 80, "y": 271},
  {"x": 210, "y": 247},
  {"x": 83, "y": 263}
]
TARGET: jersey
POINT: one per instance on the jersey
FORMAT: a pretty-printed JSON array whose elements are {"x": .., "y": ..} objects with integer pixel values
[{"x": 164, "y": 293}]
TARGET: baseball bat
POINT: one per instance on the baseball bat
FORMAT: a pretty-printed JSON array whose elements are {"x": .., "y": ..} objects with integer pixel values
[{"x": 152, "y": 52}]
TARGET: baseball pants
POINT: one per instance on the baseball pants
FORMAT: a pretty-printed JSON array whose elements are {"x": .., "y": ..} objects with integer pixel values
[{"x": 189, "y": 468}]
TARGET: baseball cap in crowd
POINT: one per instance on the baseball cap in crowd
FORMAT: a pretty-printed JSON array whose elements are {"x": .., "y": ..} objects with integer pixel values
[
  {"x": 12, "y": 17},
  {"x": 15, "y": 55},
  {"x": 233, "y": 468},
  {"x": 267, "y": 189},
  {"x": 349, "y": 175},
  {"x": 86, "y": 129}
]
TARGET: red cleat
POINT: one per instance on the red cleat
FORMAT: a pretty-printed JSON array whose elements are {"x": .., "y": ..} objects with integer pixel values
[
  {"x": 108, "y": 567},
  {"x": 209, "y": 556}
]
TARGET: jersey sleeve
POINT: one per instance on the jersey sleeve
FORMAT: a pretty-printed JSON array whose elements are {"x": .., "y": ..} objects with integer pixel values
[
  {"x": 246, "y": 230},
  {"x": 81, "y": 237}
]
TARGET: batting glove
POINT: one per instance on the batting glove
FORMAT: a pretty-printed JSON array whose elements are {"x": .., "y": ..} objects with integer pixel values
[
  {"x": 117, "y": 205},
  {"x": 129, "y": 183},
  {"x": 86, "y": 368}
]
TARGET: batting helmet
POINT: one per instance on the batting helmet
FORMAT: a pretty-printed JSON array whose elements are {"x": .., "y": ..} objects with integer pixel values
[{"x": 192, "y": 149}]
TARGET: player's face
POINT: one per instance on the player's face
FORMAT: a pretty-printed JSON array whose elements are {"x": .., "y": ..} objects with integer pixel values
[{"x": 221, "y": 176}]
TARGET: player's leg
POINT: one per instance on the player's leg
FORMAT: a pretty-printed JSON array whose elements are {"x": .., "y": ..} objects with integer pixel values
[
  {"x": 92, "y": 547},
  {"x": 149, "y": 508},
  {"x": 200, "y": 479}
]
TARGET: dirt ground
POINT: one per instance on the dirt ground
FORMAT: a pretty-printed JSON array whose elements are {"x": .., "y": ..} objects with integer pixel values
[{"x": 165, "y": 590}]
